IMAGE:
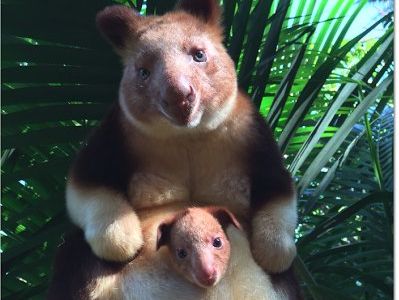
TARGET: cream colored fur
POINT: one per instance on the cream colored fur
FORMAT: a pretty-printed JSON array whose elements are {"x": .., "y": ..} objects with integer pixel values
[
  {"x": 151, "y": 275},
  {"x": 273, "y": 245},
  {"x": 110, "y": 225},
  {"x": 106, "y": 288}
]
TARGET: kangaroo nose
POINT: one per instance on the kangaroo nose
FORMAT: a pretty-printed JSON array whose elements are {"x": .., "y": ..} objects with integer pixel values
[
  {"x": 186, "y": 100},
  {"x": 180, "y": 92},
  {"x": 179, "y": 99}
]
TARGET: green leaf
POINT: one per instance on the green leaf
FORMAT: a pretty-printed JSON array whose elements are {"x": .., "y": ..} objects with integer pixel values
[
  {"x": 343, "y": 96},
  {"x": 330, "y": 148},
  {"x": 259, "y": 18},
  {"x": 314, "y": 85},
  {"x": 269, "y": 52},
  {"x": 284, "y": 89},
  {"x": 343, "y": 215},
  {"x": 239, "y": 29},
  {"x": 374, "y": 154}
]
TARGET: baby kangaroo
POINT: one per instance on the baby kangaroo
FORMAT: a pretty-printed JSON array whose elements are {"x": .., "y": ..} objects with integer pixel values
[{"x": 199, "y": 247}]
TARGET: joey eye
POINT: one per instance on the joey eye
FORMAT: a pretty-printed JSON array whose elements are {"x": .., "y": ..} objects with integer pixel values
[
  {"x": 217, "y": 243},
  {"x": 181, "y": 253},
  {"x": 144, "y": 73},
  {"x": 200, "y": 56}
]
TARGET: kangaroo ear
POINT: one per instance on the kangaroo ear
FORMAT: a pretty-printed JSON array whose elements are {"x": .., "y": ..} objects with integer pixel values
[
  {"x": 207, "y": 10},
  {"x": 163, "y": 233},
  {"x": 118, "y": 24},
  {"x": 224, "y": 216}
]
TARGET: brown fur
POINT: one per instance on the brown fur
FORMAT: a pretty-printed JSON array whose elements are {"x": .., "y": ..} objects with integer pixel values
[
  {"x": 184, "y": 134},
  {"x": 194, "y": 231},
  {"x": 206, "y": 10},
  {"x": 76, "y": 269}
]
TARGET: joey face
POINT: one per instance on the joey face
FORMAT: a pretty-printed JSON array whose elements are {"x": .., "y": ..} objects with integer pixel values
[
  {"x": 177, "y": 75},
  {"x": 198, "y": 245},
  {"x": 200, "y": 254}
]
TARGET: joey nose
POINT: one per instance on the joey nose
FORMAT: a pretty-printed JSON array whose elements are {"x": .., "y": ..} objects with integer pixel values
[{"x": 208, "y": 275}]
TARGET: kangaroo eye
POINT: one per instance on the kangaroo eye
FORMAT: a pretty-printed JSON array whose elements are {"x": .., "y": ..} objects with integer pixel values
[
  {"x": 144, "y": 73},
  {"x": 200, "y": 56},
  {"x": 181, "y": 253},
  {"x": 217, "y": 243}
]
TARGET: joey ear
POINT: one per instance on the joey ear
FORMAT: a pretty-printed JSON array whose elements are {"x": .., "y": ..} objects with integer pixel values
[
  {"x": 207, "y": 10},
  {"x": 163, "y": 233},
  {"x": 118, "y": 23},
  {"x": 224, "y": 216}
]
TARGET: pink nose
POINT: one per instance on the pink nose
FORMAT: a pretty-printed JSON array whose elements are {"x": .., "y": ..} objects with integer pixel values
[
  {"x": 207, "y": 276},
  {"x": 179, "y": 92},
  {"x": 185, "y": 99},
  {"x": 178, "y": 98}
]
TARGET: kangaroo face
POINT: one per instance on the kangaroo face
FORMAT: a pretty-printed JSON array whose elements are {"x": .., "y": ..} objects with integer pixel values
[{"x": 177, "y": 74}]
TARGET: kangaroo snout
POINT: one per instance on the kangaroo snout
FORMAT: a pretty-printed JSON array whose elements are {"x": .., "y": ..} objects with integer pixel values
[{"x": 179, "y": 100}]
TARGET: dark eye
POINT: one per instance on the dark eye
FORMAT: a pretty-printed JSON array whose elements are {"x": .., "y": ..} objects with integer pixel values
[
  {"x": 199, "y": 56},
  {"x": 217, "y": 243},
  {"x": 181, "y": 253},
  {"x": 144, "y": 73}
]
